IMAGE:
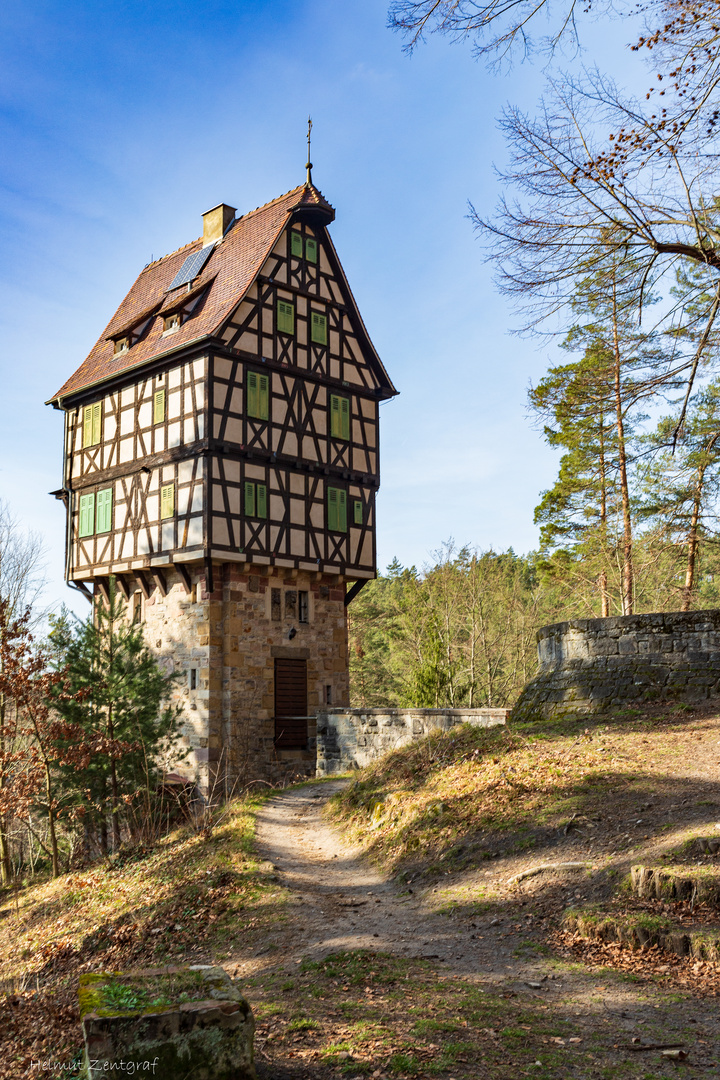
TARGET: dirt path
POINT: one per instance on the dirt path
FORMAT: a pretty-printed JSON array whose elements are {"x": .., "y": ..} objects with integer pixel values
[{"x": 342, "y": 902}]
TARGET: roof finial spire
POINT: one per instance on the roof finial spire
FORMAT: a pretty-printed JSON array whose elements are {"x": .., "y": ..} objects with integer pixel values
[{"x": 308, "y": 166}]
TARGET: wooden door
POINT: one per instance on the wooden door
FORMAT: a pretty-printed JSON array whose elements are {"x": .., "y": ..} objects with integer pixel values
[{"x": 291, "y": 703}]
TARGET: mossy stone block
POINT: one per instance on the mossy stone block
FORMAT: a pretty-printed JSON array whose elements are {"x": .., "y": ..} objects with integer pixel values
[{"x": 167, "y": 1023}]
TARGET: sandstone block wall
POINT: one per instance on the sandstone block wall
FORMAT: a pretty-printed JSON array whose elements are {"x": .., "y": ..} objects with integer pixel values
[
  {"x": 591, "y": 664},
  {"x": 230, "y": 640},
  {"x": 352, "y": 738}
]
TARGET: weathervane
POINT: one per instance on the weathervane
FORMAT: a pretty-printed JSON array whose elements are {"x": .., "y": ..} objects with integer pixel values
[{"x": 308, "y": 166}]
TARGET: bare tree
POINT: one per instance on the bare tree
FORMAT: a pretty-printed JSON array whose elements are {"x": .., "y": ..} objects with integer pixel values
[
  {"x": 22, "y": 566},
  {"x": 22, "y": 579},
  {"x": 493, "y": 26}
]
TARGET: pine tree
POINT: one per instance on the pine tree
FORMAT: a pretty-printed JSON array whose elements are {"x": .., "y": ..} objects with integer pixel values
[
  {"x": 123, "y": 710},
  {"x": 682, "y": 482},
  {"x": 592, "y": 407}
]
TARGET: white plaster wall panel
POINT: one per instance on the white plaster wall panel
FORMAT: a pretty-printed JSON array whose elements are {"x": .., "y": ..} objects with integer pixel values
[
  {"x": 195, "y": 532},
  {"x": 222, "y": 367},
  {"x": 277, "y": 507},
  {"x": 297, "y": 512},
  {"x": 127, "y": 421}
]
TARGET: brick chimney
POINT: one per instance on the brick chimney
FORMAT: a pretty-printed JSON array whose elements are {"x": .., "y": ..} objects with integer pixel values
[{"x": 216, "y": 222}]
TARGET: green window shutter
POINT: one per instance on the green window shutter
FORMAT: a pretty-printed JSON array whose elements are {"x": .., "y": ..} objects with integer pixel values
[
  {"x": 87, "y": 515},
  {"x": 249, "y": 499},
  {"x": 263, "y": 412},
  {"x": 167, "y": 500},
  {"x": 285, "y": 317},
  {"x": 311, "y": 250},
  {"x": 332, "y": 507},
  {"x": 339, "y": 417},
  {"x": 358, "y": 512},
  {"x": 87, "y": 425},
  {"x": 158, "y": 407},
  {"x": 337, "y": 509},
  {"x": 318, "y": 328},
  {"x": 296, "y": 243},
  {"x": 261, "y": 501},
  {"x": 103, "y": 513},
  {"x": 252, "y": 394},
  {"x": 96, "y": 422}
]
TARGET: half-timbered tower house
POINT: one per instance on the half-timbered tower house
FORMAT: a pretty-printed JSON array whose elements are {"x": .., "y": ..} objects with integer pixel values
[{"x": 221, "y": 464}]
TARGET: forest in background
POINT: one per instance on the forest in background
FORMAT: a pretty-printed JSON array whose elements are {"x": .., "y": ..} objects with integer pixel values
[{"x": 462, "y": 632}]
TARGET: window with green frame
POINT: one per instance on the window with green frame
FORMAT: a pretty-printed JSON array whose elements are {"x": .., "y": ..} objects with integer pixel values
[
  {"x": 258, "y": 395},
  {"x": 255, "y": 499},
  {"x": 103, "y": 511},
  {"x": 158, "y": 406},
  {"x": 296, "y": 243},
  {"x": 92, "y": 424},
  {"x": 167, "y": 501},
  {"x": 336, "y": 509},
  {"x": 339, "y": 417},
  {"x": 311, "y": 250},
  {"x": 358, "y": 512},
  {"x": 318, "y": 328},
  {"x": 285, "y": 317},
  {"x": 86, "y": 525}
]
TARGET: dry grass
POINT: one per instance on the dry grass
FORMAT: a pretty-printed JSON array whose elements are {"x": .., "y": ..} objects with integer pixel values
[
  {"x": 452, "y": 801},
  {"x": 189, "y": 898}
]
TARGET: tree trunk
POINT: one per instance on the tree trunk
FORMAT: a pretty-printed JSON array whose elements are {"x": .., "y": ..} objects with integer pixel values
[
  {"x": 627, "y": 586},
  {"x": 692, "y": 542},
  {"x": 5, "y": 862},
  {"x": 602, "y": 579},
  {"x": 51, "y": 823},
  {"x": 693, "y": 539}
]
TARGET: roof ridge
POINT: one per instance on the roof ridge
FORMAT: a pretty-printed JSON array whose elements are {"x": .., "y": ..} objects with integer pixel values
[
  {"x": 162, "y": 258},
  {"x": 247, "y": 214},
  {"x": 277, "y": 199}
]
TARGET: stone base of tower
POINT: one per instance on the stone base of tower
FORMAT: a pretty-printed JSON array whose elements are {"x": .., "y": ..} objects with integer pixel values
[{"x": 255, "y": 660}]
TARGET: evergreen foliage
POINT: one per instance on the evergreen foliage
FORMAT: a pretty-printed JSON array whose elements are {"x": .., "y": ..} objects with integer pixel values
[{"x": 117, "y": 694}]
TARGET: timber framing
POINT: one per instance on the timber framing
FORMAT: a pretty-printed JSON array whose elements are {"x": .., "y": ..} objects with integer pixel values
[{"x": 225, "y": 446}]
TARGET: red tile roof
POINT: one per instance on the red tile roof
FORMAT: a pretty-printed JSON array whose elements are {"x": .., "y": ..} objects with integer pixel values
[{"x": 232, "y": 267}]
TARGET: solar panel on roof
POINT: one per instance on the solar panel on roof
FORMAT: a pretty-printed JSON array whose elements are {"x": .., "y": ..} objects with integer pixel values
[{"x": 191, "y": 267}]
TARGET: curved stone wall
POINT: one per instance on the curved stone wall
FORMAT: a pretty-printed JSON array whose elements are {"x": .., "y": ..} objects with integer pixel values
[{"x": 591, "y": 664}]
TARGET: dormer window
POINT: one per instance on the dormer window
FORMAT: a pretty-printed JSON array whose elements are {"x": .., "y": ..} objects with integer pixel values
[
  {"x": 171, "y": 323},
  {"x": 122, "y": 345}
]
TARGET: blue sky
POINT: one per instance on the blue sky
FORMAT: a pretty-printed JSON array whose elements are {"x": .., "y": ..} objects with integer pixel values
[{"x": 122, "y": 122}]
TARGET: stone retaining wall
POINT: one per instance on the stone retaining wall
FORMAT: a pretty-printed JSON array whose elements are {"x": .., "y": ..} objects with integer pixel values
[
  {"x": 591, "y": 664},
  {"x": 352, "y": 738}
]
